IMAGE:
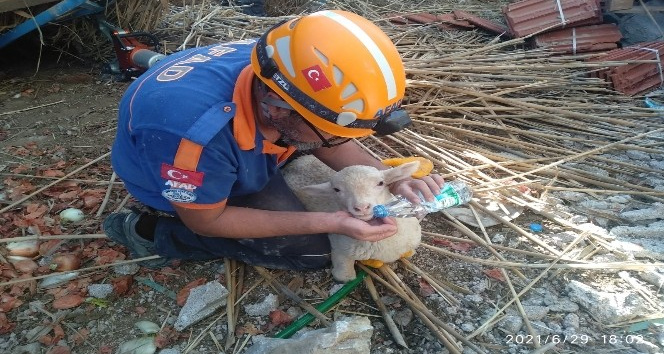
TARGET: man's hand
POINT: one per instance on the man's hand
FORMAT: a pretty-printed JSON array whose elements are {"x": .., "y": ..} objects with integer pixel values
[
  {"x": 372, "y": 230},
  {"x": 429, "y": 186}
]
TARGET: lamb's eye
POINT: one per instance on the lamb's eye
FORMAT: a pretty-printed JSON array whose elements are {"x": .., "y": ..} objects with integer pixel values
[
  {"x": 381, "y": 183},
  {"x": 337, "y": 190}
]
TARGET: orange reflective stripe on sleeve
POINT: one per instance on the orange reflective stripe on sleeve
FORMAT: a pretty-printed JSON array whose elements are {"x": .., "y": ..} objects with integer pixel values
[
  {"x": 187, "y": 155},
  {"x": 220, "y": 204}
]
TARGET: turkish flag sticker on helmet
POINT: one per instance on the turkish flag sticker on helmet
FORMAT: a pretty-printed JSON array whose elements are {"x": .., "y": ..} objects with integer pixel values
[{"x": 316, "y": 78}]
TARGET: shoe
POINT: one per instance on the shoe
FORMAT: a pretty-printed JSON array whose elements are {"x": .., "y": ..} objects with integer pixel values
[{"x": 121, "y": 228}]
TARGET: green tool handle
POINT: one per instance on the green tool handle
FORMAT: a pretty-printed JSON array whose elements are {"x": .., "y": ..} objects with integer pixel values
[{"x": 323, "y": 307}]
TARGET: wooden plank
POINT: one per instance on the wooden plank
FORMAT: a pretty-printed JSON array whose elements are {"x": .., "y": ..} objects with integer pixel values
[{"x": 10, "y": 5}]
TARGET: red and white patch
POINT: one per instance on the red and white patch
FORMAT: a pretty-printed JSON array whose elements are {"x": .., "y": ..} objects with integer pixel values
[
  {"x": 185, "y": 176},
  {"x": 316, "y": 78}
]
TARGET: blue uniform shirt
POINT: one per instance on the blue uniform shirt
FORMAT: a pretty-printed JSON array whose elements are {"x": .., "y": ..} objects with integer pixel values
[{"x": 186, "y": 131}]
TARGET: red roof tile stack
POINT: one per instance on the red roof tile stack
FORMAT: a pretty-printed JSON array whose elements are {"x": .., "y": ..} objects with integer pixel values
[
  {"x": 527, "y": 17},
  {"x": 635, "y": 78},
  {"x": 581, "y": 39},
  {"x": 456, "y": 20}
]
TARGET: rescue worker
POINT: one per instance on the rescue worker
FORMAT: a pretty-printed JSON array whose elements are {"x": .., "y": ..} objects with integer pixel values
[{"x": 202, "y": 135}]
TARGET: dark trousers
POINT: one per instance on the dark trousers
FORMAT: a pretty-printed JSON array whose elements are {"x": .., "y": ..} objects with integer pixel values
[{"x": 297, "y": 252}]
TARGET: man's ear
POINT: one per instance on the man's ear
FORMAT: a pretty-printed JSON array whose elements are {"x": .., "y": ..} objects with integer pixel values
[{"x": 400, "y": 172}]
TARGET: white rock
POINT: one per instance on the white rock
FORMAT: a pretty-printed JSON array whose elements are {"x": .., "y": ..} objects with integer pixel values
[
  {"x": 264, "y": 307},
  {"x": 203, "y": 300},
  {"x": 347, "y": 336},
  {"x": 100, "y": 291},
  {"x": 653, "y": 277},
  {"x": 606, "y": 307}
]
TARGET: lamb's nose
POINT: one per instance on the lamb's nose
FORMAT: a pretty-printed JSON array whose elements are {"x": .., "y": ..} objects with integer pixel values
[{"x": 362, "y": 208}]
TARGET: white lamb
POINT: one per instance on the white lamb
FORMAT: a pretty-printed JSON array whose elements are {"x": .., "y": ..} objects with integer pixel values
[{"x": 355, "y": 189}]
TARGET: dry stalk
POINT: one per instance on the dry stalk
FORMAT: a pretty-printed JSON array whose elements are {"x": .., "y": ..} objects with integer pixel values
[
  {"x": 405, "y": 292},
  {"x": 290, "y": 294},
  {"x": 415, "y": 305},
  {"x": 396, "y": 334},
  {"x": 229, "y": 266}
]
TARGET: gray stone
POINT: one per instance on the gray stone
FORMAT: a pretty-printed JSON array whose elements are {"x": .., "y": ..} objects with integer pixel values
[
  {"x": 264, "y": 307},
  {"x": 100, "y": 291},
  {"x": 347, "y": 336},
  {"x": 606, "y": 307},
  {"x": 656, "y": 211},
  {"x": 653, "y": 230},
  {"x": 511, "y": 324},
  {"x": 498, "y": 238},
  {"x": 170, "y": 351},
  {"x": 644, "y": 346},
  {"x": 535, "y": 313},
  {"x": 203, "y": 300},
  {"x": 653, "y": 277},
  {"x": 127, "y": 269},
  {"x": 563, "y": 305},
  {"x": 32, "y": 348},
  {"x": 403, "y": 317},
  {"x": 467, "y": 327},
  {"x": 640, "y": 247},
  {"x": 540, "y": 327},
  {"x": 637, "y": 155},
  {"x": 578, "y": 219},
  {"x": 571, "y": 320}
]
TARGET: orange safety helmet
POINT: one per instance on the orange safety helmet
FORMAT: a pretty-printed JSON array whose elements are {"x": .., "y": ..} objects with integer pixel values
[{"x": 338, "y": 70}]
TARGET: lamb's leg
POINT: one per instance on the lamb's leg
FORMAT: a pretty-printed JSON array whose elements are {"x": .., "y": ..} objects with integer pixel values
[
  {"x": 343, "y": 267},
  {"x": 408, "y": 254}
]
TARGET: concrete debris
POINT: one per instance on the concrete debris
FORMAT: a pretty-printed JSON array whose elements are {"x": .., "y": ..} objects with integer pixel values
[
  {"x": 535, "y": 313},
  {"x": 653, "y": 277},
  {"x": 511, "y": 324},
  {"x": 349, "y": 336},
  {"x": 655, "y": 229},
  {"x": 571, "y": 320},
  {"x": 656, "y": 211},
  {"x": 270, "y": 303},
  {"x": 203, "y": 300},
  {"x": 607, "y": 307},
  {"x": 644, "y": 346}
]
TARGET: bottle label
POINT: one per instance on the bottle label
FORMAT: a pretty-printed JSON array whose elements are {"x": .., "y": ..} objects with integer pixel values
[{"x": 448, "y": 197}]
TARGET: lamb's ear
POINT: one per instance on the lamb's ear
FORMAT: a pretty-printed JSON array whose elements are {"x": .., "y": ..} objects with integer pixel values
[
  {"x": 322, "y": 189},
  {"x": 400, "y": 172}
]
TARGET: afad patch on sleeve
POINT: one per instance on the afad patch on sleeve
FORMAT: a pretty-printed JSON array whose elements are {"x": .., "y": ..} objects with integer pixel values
[{"x": 182, "y": 183}]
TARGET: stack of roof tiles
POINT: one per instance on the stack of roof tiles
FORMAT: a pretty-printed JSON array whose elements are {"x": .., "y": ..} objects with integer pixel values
[
  {"x": 634, "y": 78},
  {"x": 527, "y": 17},
  {"x": 562, "y": 25},
  {"x": 581, "y": 39}
]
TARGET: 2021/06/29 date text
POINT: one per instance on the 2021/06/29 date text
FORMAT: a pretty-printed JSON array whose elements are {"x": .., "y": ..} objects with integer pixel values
[{"x": 579, "y": 339}]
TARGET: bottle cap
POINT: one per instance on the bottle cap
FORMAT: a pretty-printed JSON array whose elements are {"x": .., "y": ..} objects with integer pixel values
[{"x": 380, "y": 211}]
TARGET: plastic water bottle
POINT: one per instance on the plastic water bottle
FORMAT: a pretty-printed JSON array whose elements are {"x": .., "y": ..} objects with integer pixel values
[{"x": 452, "y": 194}]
